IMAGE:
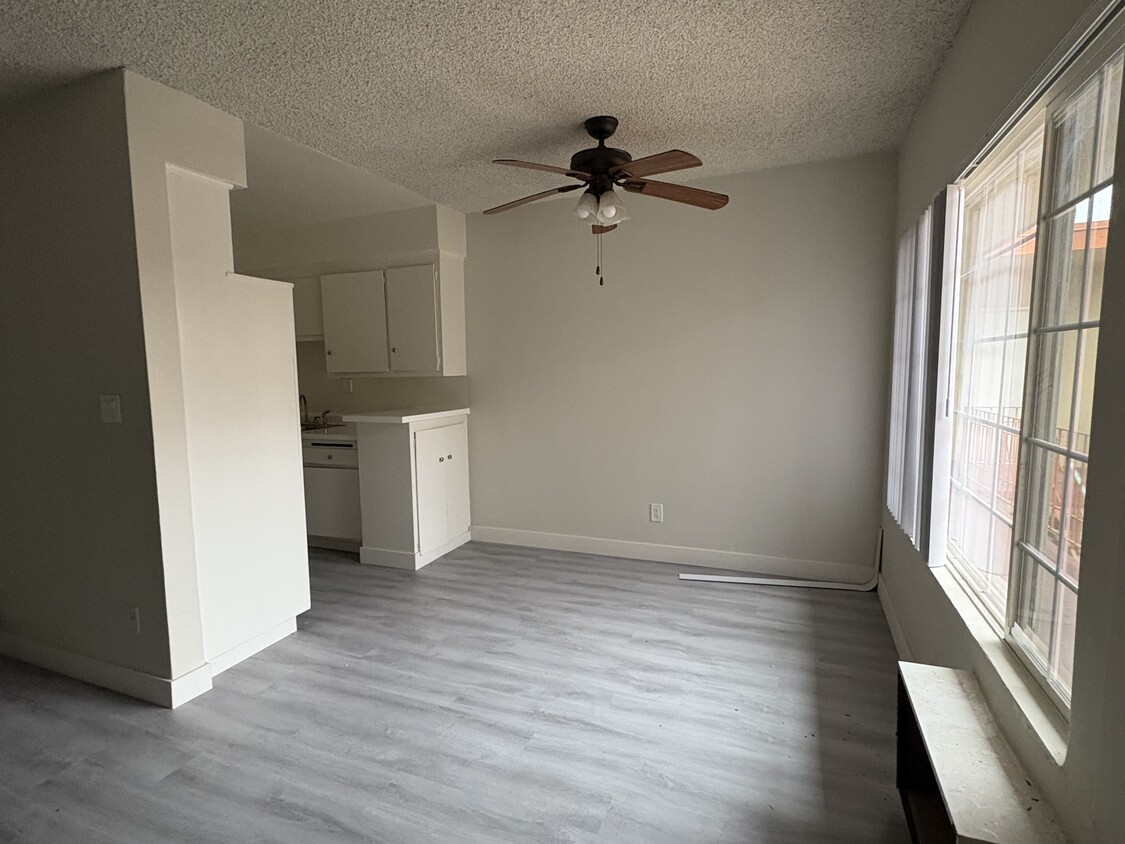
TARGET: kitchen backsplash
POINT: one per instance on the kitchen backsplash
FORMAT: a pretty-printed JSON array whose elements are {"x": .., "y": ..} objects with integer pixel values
[{"x": 323, "y": 392}]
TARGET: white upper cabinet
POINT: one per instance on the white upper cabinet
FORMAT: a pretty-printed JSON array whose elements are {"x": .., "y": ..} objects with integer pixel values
[
  {"x": 399, "y": 321},
  {"x": 413, "y": 325},
  {"x": 412, "y": 319},
  {"x": 355, "y": 322},
  {"x": 308, "y": 316}
]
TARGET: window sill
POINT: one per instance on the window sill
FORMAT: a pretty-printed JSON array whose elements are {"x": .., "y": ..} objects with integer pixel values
[{"x": 1008, "y": 686}]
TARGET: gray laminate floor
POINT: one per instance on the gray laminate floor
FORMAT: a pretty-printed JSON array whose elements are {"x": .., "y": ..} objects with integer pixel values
[{"x": 499, "y": 695}]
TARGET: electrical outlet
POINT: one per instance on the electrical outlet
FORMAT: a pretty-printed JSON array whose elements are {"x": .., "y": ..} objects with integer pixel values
[
  {"x": 135, "y": 618},
  {"x": 346, "y": 385},
  {"x": 656, "y": 512}
]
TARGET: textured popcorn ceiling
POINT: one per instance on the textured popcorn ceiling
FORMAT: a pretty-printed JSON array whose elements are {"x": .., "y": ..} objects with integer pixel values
[{"x": 426, "y": 92}]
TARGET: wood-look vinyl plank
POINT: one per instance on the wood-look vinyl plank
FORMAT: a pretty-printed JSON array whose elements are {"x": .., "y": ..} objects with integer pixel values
[{"x": 498, "y": 695}]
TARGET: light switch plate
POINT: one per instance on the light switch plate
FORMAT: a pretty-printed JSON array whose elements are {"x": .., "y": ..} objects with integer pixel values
[{"x": 111, "y": 408}]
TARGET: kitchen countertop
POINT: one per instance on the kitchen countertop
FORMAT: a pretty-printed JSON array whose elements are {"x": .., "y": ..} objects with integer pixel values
[
  {"x": 407, "y": 414},
  {"x": 342, "y": 433}
]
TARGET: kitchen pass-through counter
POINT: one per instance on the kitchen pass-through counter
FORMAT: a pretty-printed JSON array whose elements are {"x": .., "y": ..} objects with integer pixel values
[
  {"x": 414, "y": 484},
  {"x": 400, "y": 416}
]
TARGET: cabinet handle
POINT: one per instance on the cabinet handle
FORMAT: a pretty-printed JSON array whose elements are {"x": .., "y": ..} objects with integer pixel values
[
  {"x": 329, "y": 456},
  {"x": 441, "y": 460},
  {"x": 329, "y": 351},
  {"x": 394, "y": 350},
  {"x": 451, "y": 457}
]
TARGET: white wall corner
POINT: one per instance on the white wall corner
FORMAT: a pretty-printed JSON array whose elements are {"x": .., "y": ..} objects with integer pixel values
[
  {"x": 127, "y": 681},
  {"x": 451, "y": 231}
]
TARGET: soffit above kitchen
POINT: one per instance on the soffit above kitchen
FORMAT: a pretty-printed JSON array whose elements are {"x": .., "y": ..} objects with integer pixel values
[{"x": 425, "y": 94}]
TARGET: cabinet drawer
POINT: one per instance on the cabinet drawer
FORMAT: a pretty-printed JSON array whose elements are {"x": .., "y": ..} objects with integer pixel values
[{"x": 339, "y": 454}]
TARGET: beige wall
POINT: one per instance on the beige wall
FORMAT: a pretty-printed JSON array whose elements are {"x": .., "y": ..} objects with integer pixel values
[
  {"x": 324, "y": 393},
  {"x": 1000, "y": 47},
  {"x": 732, "y": 368},
  {"x": 979, "y": 83},
  {"x": 243, "y": 443},
  {"x": 81, "y": 531},
  {"x": 222, "y": 383},
  {"x": 115, "y": 284},
  {"x": 166, "y": 128}
]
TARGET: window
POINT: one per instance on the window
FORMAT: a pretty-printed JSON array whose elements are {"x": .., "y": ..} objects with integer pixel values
[
  {"x": 993, "y": 297},
  {"x": 1019, "y": 345},
  {"x": 905, "y": 450},
  {"x": 1063, "y": 348}
]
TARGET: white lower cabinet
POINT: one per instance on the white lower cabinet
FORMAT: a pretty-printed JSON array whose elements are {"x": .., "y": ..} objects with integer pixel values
[
  {"x": 414, "y": 478},
  {"x": 442, "y": 480}
]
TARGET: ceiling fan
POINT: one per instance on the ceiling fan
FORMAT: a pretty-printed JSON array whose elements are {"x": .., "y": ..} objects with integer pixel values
[{"x": 600, "y": 168}]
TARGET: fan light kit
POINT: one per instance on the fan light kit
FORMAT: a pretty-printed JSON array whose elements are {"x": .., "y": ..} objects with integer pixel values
[{"x": 602, "y": 168}]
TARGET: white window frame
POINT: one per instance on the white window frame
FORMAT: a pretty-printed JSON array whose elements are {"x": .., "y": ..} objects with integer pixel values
[
  {"x": 1016, "y": 138},
  {"x": 1088, "y": 61},
  {"x": 1091, "y": 62}
]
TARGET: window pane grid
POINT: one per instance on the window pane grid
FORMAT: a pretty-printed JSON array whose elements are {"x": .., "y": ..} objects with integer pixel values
[
  {"x": 1073, "y": 326},
  {"x": 1062, "y": 350},
  {"x": 1036, "y": 555},
  {"x": 1071, "y": 204},
  {"x": 1054, "y": 448},
  {"x": 1046, "y": 566},
  {"x": 989, "y": 352}
]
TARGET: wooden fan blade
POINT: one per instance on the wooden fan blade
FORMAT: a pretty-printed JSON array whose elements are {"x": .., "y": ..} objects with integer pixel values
[
  {"x": 546, "y": 168},
  {"x": 532, "y": 198},
  {"x": 677, "y": 193},
  {"x": 662, "y": 162},
  {"x": 596, "y": 229}
]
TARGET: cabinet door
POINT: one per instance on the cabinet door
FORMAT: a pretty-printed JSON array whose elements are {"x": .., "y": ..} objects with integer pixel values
[
  {"x": 442, "y": 477},
  {"x": 457, "y": 480},
  {"x": 308, "y": 315},
  {"x": 412, "y": 319},
  {"x": 355, "y": 322}
]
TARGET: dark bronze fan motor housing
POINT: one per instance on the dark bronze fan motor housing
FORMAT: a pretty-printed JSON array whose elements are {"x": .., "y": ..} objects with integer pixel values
[
  {"x": 597, "y": 161},
  {"x": 600, "y": 168}
]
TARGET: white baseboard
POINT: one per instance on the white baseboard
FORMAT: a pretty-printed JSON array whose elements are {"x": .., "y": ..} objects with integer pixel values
[
  {"x": 247, "y": 649},
  {"x": 334, "y": 543},
  {"x": 190, "y": 686},
  {"x": 138, "y": 684},
  {"x": 127, "y": 681},
  {"x": 371, "y": 556},
  {"x": 681, "y": 555},
  {"x": 898, "y": 633}
]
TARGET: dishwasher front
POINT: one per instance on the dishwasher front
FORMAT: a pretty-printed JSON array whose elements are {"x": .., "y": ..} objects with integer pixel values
[{"x": 332, "y": 509}]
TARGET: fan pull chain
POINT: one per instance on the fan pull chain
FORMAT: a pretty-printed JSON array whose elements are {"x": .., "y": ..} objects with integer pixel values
[{"x": 598, "y": 269}]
